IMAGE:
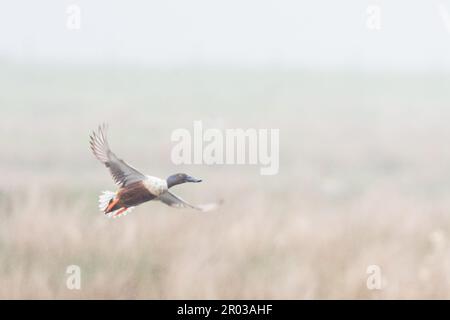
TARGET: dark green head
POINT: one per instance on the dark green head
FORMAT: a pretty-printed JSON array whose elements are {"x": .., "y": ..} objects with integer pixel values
[{"x": 180, "y": 178}]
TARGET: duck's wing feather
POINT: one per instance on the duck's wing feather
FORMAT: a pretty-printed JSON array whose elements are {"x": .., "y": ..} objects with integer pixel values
[
  {"x": 123, "y": 174},
  {"x": 175, "y": 201}
]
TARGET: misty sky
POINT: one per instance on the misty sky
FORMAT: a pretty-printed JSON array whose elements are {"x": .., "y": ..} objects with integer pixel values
[{"x": 414, "y": 35}]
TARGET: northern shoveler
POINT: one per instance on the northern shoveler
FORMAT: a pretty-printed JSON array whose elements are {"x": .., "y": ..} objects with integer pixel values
[{"x": 134, "y": 187}]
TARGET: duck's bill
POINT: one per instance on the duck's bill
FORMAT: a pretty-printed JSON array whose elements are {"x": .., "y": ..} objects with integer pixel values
[{"x": 192, "y": 179}]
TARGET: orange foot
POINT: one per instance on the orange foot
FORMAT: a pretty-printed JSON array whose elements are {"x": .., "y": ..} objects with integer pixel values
[
  {"x": 111, "y": 205},
  {"x": 118, "y": 213}
]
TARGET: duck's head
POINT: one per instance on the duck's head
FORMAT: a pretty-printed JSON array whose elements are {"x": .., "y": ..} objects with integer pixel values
[{"x": 180, "y": 178}]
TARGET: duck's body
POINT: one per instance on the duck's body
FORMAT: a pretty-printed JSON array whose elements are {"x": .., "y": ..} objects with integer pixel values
[
  {"x": 131, "y": 196},
  {"x": 135, "y": 187}
]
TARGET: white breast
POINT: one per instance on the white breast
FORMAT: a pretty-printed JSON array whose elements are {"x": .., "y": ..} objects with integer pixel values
[{"x": 155, "y": 185}]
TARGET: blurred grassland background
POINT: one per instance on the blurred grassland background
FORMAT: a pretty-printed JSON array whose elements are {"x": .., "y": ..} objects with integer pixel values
[{"x": 364, "y": 180}]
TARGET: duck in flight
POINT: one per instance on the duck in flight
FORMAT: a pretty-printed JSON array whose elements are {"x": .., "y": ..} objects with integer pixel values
[{"x": 134, "y": 187}]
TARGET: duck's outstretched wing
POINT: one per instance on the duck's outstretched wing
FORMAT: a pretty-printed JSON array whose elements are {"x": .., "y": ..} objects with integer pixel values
[
  {"x": 123, "y": 174},
  {"x": 174, "y": 201}
]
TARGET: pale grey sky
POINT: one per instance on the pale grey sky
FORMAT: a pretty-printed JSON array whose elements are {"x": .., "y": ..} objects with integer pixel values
[{"x": 414, "y": 35}]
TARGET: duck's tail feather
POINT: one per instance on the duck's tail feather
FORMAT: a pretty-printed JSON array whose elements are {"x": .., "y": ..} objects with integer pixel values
[{"x": 105, "y": 201}]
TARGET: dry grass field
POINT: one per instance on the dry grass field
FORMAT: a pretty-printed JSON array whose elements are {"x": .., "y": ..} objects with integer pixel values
[{"x": 364, "y": 180}]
